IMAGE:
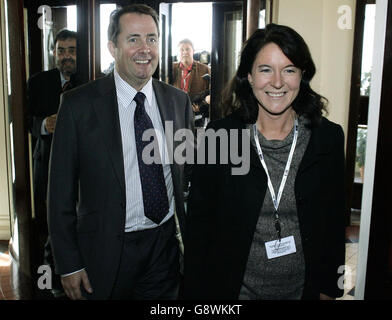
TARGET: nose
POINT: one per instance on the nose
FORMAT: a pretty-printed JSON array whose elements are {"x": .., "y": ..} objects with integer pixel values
[
  {"x": 277, "y": 81},
  {"x": 145, "y": 47},
  {"x": 68, "y": 53}
]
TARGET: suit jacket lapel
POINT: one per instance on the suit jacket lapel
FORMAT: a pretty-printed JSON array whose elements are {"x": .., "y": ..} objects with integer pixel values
[
  {"x": 55, "y": 90},
  {"x": 192, "y": 75},
  {"x": 106, "y": 109},
  {"x": 56, "y": 78},
  {"x": 166, "y": 105},
  {"x": 314, "y": 150},
  {"x": 164, "y": 101}
]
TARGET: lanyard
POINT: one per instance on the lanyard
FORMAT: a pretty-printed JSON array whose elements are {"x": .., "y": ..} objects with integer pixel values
[
  {"x": 276, "y": 200},
  {"x": 185, "y": 79}
]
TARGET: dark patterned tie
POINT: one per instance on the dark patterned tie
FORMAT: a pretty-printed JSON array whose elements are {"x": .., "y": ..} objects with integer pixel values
[{"x": 155, "y": 201}]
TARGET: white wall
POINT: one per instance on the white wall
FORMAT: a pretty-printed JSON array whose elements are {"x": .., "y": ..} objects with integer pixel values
[{"x": 331, "y": 47}]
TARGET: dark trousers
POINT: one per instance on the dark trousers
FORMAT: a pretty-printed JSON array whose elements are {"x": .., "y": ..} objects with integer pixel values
[{"x": 149, "y": 266}]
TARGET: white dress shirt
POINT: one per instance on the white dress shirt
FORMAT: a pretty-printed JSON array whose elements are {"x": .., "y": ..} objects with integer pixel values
[{"x": 135, "y": 218}]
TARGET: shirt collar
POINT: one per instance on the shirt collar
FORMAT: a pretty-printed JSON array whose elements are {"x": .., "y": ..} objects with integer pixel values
[
  {"x": 126, "y": 93},
  {"x": 182, "y": 66},
  {"x": 63, "y": 80}
]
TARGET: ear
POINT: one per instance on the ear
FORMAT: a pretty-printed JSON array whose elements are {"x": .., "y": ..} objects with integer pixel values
[
  {"x": 250, "y": 79},
  {"x": 112, "y": 48}
]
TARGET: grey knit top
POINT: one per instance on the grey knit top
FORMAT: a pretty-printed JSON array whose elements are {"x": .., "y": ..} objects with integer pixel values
[{"x": 283, "y": 277}]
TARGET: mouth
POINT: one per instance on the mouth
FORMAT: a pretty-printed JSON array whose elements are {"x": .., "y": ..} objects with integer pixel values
[
  {"x": 68, "y": 61},
  {"x": 275, "y": 94},
  {"x": 142, "y": 61}
]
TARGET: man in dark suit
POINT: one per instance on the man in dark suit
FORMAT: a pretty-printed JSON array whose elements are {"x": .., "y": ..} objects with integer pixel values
[
  {"x": 43, "y": 97},
  {"x": 115, "y": 233}
]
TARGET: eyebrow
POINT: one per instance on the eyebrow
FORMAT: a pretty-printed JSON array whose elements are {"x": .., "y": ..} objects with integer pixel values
[
  {"x": 139, "y": 35},
  {"x": 71, "y": 47},
  {"x": 266, "y": 65}
]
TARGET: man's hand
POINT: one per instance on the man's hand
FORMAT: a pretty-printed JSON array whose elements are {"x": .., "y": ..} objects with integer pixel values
[
  {"x": 195, "y": 107},
  {"x": 50, "y": 123},
  {"x": 71, "y": 285}
]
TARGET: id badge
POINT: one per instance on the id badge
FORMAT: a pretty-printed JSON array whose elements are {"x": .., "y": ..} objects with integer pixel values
[{"x": 276, "y": 248}]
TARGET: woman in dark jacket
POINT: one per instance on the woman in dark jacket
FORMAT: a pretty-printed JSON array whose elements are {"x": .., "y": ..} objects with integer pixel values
[{"x": 277, "y": 230}]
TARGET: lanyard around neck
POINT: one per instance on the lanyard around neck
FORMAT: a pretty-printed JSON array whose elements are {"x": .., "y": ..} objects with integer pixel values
[
  {"x": 276, "y": 200},
  {"x": 185, "y": 79}
]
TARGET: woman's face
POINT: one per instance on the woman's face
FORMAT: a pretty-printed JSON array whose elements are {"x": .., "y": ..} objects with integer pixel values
[{"x": 274, "y": 79}]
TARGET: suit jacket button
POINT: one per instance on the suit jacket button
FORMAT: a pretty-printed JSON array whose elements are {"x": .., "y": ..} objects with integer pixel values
[{"x": 122, "y": 204}]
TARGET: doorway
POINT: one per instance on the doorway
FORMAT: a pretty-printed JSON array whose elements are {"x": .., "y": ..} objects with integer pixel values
[
  {"x": 216, "y": 31},
  {"x": 357, "y": 134}
]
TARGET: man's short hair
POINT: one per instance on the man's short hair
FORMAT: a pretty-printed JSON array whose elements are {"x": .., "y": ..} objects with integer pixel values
[
  {"x": 186, "y": 41},
  {"x": 114, "y": 27},
  {"x": 64, "y": 34}
]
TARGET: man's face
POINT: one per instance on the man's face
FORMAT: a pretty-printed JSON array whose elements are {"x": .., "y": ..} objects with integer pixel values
[
  {"x": 137, "y": 51},
  {"x": 65, "y": 56},
  {"x": 185, "y": 52}
]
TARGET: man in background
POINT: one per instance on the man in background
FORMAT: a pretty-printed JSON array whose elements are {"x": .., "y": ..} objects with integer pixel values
[
  {"x": 43, "y": 97},
  {"x": 193, "y": 77}
]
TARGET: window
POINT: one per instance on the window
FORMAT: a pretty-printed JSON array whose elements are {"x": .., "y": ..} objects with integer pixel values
[
  {"x": 367, "y": 49},
  {"x": 366, "y": 73},
  {"x": 107, "y": 61}
]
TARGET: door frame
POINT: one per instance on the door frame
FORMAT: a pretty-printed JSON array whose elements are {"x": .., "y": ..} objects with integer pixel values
[{"x": 374, "y": 266}]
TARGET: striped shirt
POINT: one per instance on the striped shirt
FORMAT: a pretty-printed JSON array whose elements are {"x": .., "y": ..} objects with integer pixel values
[{"x": 135, "y": 218}]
